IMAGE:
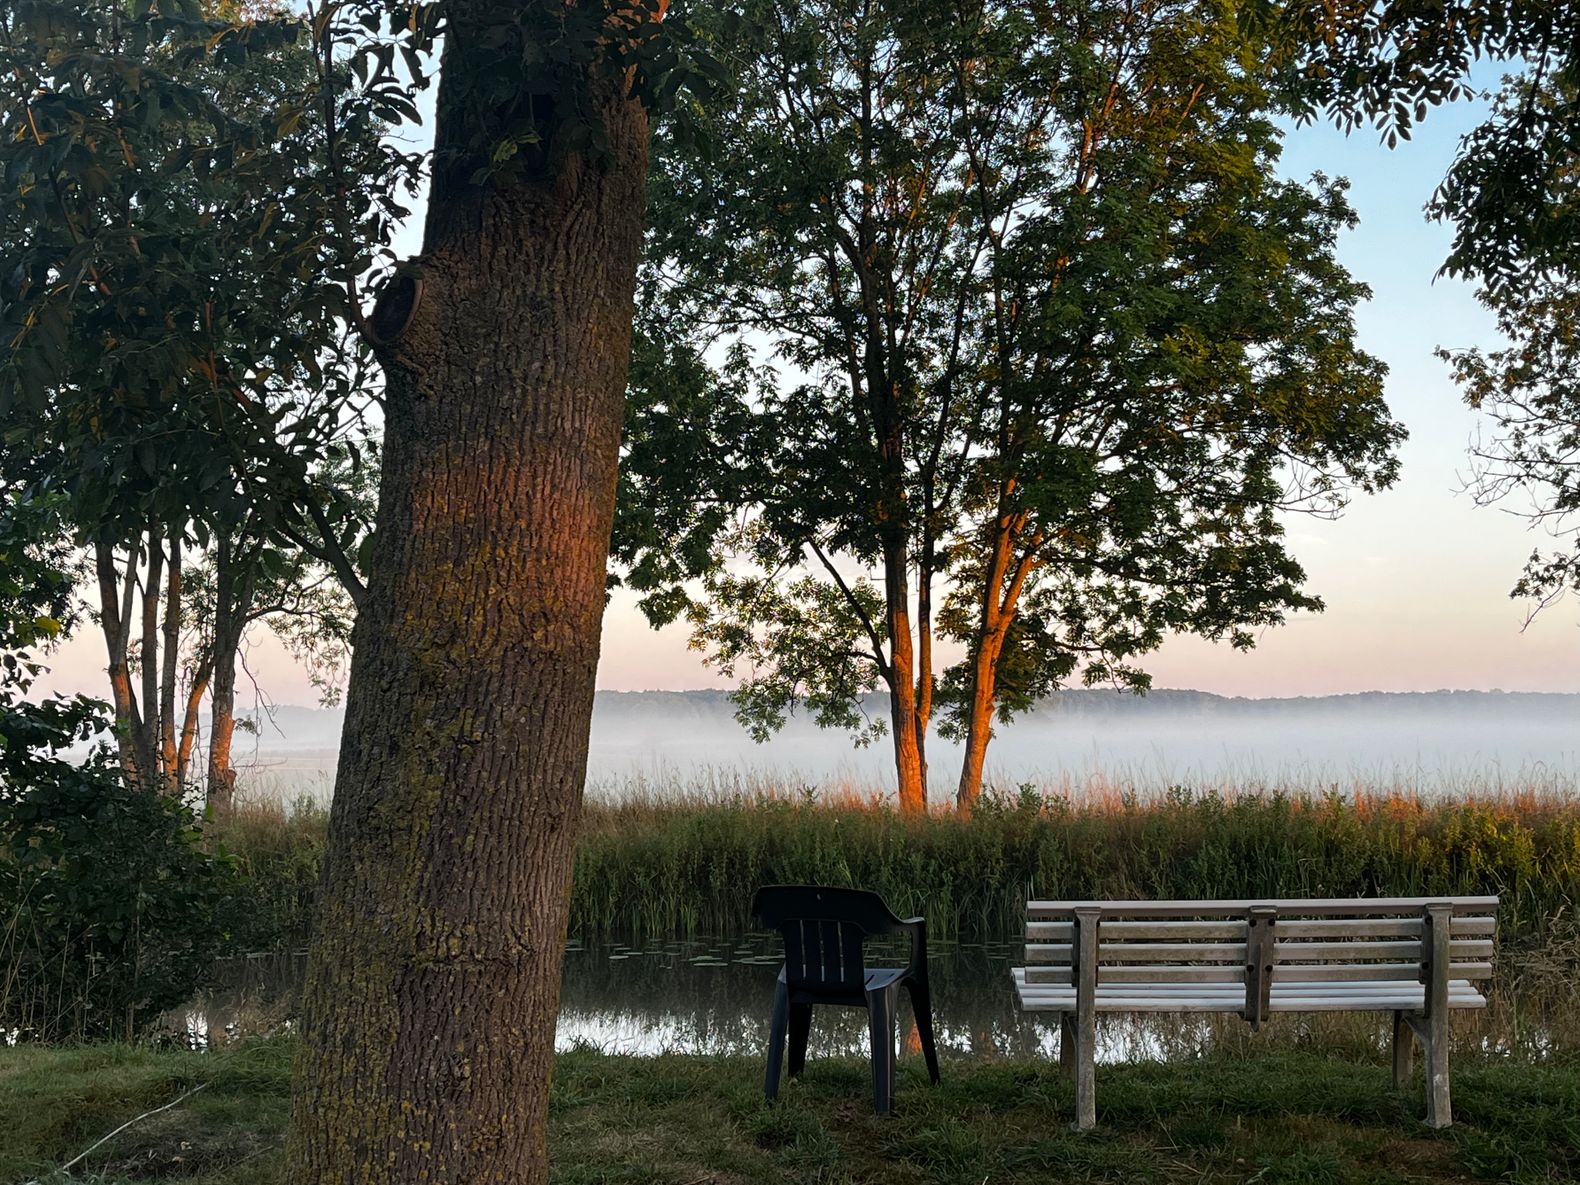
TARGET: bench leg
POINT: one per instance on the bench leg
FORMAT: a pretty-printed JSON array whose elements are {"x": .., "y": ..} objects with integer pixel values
[
  {"x": 1066, "y": 1044},
  {"x": 1439, "y": 1113},
  {"x": 1438, "y": 919},
  {"x": 1403, "y": 1049},
  {"x": 1086, "y": 923}
]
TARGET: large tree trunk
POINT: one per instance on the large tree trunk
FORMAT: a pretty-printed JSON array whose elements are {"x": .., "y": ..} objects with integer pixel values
[{"x": 434, "y": 978}]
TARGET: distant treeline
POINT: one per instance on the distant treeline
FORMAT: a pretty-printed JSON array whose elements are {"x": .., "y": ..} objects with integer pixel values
[
  {"x": 292, "y": 723},
  {"x": 650, "y": 868}
]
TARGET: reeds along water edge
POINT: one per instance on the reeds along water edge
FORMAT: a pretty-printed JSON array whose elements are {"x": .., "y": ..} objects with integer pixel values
[{"x": 670, "y": 859}]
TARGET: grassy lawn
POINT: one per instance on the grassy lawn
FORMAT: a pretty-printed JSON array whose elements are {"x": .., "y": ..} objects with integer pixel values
[{"x": 678, "y": 1120}]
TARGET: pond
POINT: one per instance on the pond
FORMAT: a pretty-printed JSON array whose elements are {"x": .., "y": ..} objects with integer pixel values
[{"x": 714, "y": 995}]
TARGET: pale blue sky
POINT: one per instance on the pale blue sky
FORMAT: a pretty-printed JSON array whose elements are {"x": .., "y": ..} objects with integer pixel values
[{"x": 1416, "y": 579}]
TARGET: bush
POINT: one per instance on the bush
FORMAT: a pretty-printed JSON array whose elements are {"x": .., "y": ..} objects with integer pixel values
[{"x": 111, "y": 911}]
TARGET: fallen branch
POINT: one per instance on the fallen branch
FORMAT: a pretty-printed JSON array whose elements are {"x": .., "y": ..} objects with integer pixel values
[{"x": 136, "y": 1119}]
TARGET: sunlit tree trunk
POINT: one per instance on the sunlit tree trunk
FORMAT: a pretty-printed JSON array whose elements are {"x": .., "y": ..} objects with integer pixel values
[
  {"x": 428, "y": 1027},
  {"x": 1006, "y": 576},
  {"x": 232, "y": 606}
]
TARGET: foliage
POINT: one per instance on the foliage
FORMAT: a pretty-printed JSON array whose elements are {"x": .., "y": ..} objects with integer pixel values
[
  {"x": 112, "y": 910},
  {"x": 179, "y": 360},
  {"x": 1530, "y": 391},
  {"x": 109, "y": 908},
  {"x": 1038, "y": 334}
]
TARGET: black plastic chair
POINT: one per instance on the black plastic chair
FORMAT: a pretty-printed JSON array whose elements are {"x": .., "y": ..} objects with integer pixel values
[{"x": 823, "y": 932}]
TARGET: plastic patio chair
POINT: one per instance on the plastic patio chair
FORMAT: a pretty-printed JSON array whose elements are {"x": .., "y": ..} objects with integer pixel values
[{"x": 823, "y": 931}]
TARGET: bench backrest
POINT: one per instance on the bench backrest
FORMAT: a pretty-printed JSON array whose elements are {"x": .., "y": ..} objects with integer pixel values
[{"x": 1258, "y": 943}]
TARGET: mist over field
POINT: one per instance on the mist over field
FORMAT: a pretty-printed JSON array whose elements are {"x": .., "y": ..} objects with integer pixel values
[{"x": 1462, "y": 742}]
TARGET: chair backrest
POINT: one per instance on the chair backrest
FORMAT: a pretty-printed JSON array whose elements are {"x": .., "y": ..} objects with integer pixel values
[{"x": 823, "y": 930}]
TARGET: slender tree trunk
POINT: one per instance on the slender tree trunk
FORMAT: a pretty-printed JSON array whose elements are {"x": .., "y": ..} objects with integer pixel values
[
  {"x": 232, "y": 603},
  {"x": 433, "y": 988},
  {"x": 979, "y": 719},
  {"x": 152, "y": 592},
  {"x": 1006, "y": 577},
  {"x": 170, "y": 760},
  {"x": 924, "y": 654},
  {"x": 137, "y": 757},
  {"x": 902, "y": 682}
]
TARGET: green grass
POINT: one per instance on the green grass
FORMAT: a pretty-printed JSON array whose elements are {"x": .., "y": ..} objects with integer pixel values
[
  {"x": 665, "y": 865},
  {"x": 1274, "y": 1118}
]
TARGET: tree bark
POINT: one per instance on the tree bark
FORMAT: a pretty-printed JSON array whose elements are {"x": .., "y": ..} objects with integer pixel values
[
  {"x": 232, "y": 604},
  {"x": 433, "y": 987},
  {"x": 911, "y": 786},
  {"x": 152, "y": 592},
  {"x": 1000, "y": 600},
  {"x": 136, "y": 755},
  {"x": 169, "y": 760},
  {"x": 979, "y": 720}
]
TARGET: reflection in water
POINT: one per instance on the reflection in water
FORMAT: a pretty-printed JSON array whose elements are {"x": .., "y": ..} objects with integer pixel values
[{"x": 714, "y": 996}]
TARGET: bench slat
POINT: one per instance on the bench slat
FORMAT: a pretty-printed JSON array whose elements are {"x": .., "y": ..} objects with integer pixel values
[
  {"x": 1288, "y": 997},
  {"x": 1065, "y": 931},
  {"x": 1469, "y": 948},
  {"x": 1377, "y": 927},
  {"x": 1323, "y": 972},
  {"x": 1142, "y": 952},
  {"x": 1282, "y": 972},
  {"x": 1142, "y": 973},
  {"x": 1313, "y": 906},
  {"x": 1021, "y": 974},
  {"x": 1349, "y": 928}
]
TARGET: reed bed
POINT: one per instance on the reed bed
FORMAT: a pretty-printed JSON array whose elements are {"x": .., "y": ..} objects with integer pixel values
[{"x": 662, "y": 862}]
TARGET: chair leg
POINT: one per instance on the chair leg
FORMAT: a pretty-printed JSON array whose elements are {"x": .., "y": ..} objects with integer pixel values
[
  {"x": 776, "y": 1039},
  {"x": 1403, "y": 1049},
  {"x": 880, "y": 1025},
  {"x": 800, "y": 1029},
  {"x": 922, "y": 1009}
]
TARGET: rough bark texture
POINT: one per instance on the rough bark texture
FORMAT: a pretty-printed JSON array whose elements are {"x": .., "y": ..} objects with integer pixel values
[
  {"x": 902, "y": 684},
  {"x": 434, "y": 976},
  {"x": 1006, "y": 577},
  {"x": 115, "y": 622},
  {"x": 232, "y": 606}
]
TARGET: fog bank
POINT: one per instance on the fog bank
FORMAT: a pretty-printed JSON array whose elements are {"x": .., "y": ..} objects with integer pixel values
[{"x": 1434, "y": 742}]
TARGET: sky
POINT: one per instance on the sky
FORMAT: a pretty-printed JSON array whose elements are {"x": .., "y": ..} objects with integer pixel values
[{"x": 1416, "y": 579}]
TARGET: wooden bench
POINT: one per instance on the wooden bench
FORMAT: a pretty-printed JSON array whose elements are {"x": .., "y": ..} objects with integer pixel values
[{"x": 1417, "y": 957}]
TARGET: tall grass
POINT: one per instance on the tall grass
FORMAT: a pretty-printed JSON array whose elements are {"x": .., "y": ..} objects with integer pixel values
[{"x": 661, "y": 865}]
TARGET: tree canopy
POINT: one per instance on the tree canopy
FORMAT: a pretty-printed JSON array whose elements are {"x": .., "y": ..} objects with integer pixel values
[{"x": 1025, "y": 324}]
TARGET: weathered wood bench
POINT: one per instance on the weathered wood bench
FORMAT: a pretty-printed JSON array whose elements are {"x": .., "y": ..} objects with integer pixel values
[{"x": 1417, "y": 957}]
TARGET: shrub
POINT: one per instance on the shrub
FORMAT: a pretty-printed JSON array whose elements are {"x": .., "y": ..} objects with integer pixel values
[{"x": 111, "y": 910}]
